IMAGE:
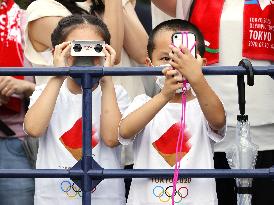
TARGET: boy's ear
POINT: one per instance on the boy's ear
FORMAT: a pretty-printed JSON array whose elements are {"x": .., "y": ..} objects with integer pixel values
[
  {"x": 148, "y": 62},
  {"x": 204, "y": 61}
]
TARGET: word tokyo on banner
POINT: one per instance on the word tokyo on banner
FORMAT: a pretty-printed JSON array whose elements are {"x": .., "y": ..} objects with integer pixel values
[{"x": 258, "y": 36}]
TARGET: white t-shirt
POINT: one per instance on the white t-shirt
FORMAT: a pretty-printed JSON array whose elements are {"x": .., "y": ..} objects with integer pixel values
[
  {"x": 59, "y": 150},
  {"x": 154, "y": 148},
  {"x": 259, "y": 98}
]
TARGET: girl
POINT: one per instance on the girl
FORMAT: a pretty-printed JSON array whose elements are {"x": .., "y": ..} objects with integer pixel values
[{"x": 57, "y": 112}]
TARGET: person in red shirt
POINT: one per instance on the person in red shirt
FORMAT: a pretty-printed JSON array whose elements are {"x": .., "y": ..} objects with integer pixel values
[{"x": 14, "y": 90}]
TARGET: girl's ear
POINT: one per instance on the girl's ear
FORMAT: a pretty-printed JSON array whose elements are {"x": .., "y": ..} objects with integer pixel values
[
  {"x": 70, "y": 60},
  {"x": 96, "y": 61},
  {"x": 148, "y": 62}
]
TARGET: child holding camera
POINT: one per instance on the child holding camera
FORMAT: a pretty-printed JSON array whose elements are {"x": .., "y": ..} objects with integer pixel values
[
  {"x": 55, "y": 115},
  {"x": 154, "y": 123}
]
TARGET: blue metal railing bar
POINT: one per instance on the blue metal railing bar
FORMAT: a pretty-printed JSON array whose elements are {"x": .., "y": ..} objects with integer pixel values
[
  {"x": 85, "y": 174},
  {"x": 137, "y": 173},
  {"x": 125, "y": 71}
]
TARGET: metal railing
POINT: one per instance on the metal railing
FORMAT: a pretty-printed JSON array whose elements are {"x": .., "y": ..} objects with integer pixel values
[{"x": 87, "y": 171}]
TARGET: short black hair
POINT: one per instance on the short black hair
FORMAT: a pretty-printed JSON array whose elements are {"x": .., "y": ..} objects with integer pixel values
[
  {"x": 69, "y": 23},
  {"x": 176, "y": 25}
]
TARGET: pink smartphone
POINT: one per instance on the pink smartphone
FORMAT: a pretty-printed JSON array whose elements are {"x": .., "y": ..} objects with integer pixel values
[{"x": 185, "y": 38}]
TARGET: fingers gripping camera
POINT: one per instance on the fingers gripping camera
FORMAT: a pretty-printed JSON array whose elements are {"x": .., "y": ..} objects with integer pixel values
[{"x": 87, "y": 48}]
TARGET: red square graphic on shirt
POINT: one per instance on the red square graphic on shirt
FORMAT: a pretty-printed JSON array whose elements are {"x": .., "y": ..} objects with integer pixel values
[
  {"x": 166, "y": 144},
  {"x": 72, "y": 139}
]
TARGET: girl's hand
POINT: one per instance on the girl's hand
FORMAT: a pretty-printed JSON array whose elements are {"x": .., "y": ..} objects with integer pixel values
[
  {"x": 110, "y": 56},
  {"x": 186, "y": 63},
  {"x": 61, "y": 54},
  {"x": 172, "y": 83}
]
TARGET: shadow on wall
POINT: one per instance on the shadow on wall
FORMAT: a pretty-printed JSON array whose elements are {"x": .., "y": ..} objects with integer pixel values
[
  {"x": 143, "y": 11},
  {"x": 23, "y": 4}
]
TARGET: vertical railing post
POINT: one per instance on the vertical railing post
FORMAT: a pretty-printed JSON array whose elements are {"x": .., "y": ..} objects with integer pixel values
[{"x": 86, "y": 130}]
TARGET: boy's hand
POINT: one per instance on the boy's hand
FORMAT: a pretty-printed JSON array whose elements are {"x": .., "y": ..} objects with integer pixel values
[
  {"x": 61, "y": 53},
  {"x": 186, "y": 63},
  {"x": 110, "y": 56},
  {"x": 172, "y": 83}
]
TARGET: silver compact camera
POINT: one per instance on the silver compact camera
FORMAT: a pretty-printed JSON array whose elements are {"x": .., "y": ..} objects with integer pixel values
[{"x": 87, "y": 48}]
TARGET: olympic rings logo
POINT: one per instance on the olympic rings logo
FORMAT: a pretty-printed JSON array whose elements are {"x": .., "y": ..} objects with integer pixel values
[
  {"x": 71, "y": 189},
  {"x": 165, "y": 194}
]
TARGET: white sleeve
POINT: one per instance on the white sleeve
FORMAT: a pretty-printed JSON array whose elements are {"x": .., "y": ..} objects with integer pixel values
[
  {"x": 35, "y": 95},
  {"x": 36, "y": 10},
  {"x": 183, "y": 8},
  {"x": 138, "y": 101},
  {"x": 122, "y": 98},
  {"x": 215, "y": 136},
  {"x": 42, "y": 8}
]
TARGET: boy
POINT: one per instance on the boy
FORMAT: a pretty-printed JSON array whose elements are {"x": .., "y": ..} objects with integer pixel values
[{"x": 154, "y": 123}]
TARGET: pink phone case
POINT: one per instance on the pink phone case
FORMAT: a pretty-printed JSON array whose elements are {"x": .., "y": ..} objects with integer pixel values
[{"x": 185, "y": 38}]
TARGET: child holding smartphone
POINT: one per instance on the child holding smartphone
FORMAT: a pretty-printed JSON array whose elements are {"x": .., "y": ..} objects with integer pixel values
[
  {"x": 55, "y": 115},
  {"x": 153, "y": 124}
]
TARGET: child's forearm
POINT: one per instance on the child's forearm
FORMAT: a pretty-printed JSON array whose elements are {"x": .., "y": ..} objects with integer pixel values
[
  {"x": 110, "y": 115},
  {"x": 210, "y": 104},
  {"x": 137, "y": 120},
  {"x": 38, "y": 116}
]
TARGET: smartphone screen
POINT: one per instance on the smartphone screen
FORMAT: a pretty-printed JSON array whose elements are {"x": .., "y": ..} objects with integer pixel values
[{"x": 185, "y": 38}]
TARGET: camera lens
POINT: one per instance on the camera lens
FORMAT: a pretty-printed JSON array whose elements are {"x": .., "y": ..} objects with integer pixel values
[
  {"x": 175, "y": 36},
  {"x": 77, "y": 47},
  {"x": 98, "y": 48}
]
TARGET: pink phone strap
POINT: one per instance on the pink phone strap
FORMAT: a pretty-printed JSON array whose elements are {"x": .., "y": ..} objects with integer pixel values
[{"x": 179, "y": 146}]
